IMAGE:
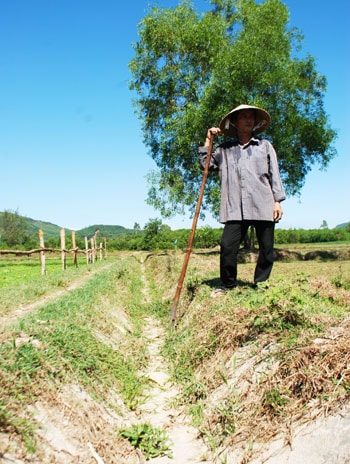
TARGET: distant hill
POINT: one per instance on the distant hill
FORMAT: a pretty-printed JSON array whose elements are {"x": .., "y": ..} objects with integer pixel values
[
  {"x": 342, "y": 226},
  {"x": 53, "y": 230},
  {"x": 104, "y": 231},
  {"x": 49, "y": 229}
]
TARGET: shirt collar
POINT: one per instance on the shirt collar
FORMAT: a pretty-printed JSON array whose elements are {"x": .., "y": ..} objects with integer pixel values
[{"x": 252, "y": 141}]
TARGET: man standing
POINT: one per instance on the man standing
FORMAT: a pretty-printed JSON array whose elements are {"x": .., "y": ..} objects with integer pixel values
[{"x": 251, "y": 189}]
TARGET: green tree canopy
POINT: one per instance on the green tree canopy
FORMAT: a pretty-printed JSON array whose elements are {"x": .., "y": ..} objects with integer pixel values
[
  {"x": 190, "y": 69},
  {"x": 13, "y": 228}
]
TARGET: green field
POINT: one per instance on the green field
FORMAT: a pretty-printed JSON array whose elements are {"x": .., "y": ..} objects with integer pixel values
[{"x": 84, "y": 326}]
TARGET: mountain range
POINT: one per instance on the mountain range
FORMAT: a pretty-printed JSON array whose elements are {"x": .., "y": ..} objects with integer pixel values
[{"x": 53, "y": 230}]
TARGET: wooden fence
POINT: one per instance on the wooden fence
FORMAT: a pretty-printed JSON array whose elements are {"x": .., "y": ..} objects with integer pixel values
[{"x": 91, "y": 253}]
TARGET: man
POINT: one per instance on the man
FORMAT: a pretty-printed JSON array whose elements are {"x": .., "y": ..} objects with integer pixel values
[{"x": 251, "y": 189}]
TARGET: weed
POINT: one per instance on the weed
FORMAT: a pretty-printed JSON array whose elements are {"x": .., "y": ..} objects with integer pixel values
[
  {"x": 196, "y": 411},
  {"x": 21, "y": 426},
  {"x": 152, "y": 441},
  {"x": 227, "y": 411},
  {"x": 275, "y": 400},
  {"x": 340, "y": 281},
  {"x": 192, "y": 285}
]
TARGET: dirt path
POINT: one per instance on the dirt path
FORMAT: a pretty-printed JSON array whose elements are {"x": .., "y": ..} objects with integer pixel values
[{"x": 185, "y": 443}]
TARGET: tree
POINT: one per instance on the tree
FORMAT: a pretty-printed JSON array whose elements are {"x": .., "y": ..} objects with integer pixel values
[
  {"x": 13, "y": 228},
  {"x": 151, "y": 231},
  {"x": 190, "y": 69},
  {"x": 324, "y": 224},
  {"x": 137, "y": 228}
]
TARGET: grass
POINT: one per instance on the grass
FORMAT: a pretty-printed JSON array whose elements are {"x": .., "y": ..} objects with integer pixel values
[
  {"x": 275, "y": 331},
  {"x": 21, "y": 282},
  {"x": 248, "y": 363},
  {"x": 67, "y": 341}
]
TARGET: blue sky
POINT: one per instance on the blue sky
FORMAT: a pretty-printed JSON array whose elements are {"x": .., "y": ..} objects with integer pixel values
[{"x": 70, "y": 143}]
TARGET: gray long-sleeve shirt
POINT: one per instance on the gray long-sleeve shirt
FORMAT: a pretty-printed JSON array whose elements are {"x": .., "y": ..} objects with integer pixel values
[{"x": 250, "y": 179}]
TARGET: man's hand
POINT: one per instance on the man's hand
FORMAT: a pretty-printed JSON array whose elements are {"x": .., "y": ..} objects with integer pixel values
[
  {"x": 213, "y": 132},
  {"x": 277, "y": 212}
]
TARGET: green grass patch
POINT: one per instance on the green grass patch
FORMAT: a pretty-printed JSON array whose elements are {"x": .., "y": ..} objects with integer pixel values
[
  {"x": 152, "y": 441},
  {"x": 67, "y": 341}
]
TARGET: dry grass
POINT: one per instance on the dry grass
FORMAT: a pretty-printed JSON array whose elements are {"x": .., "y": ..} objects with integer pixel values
[{"x": 264, "y": 362}]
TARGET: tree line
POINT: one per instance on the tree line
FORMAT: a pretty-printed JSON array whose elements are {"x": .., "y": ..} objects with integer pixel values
[{"x": 157, "y": 236}]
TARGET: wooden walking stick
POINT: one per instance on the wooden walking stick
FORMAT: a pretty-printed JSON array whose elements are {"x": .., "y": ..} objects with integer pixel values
[{"x": 193, "y": 231}]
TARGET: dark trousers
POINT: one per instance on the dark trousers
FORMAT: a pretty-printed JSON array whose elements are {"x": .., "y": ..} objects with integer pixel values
[{"x": 232, "y": 236}]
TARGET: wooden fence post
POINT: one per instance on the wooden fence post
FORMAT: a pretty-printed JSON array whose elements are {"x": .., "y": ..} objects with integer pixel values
[
  {"x": 75, "y": 250},
  {"x": 63, "y": 247},
  {"x": 93, "y": 251},
  {"x": 42, "y": 252},
  {"x": 87, "y": 250}
]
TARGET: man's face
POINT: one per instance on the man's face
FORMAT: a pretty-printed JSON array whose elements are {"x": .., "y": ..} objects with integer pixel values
[{"x": 245, "y": 120}]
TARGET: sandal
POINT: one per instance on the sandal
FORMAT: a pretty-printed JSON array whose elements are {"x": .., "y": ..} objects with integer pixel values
[{"x": 218, "y": 292}]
